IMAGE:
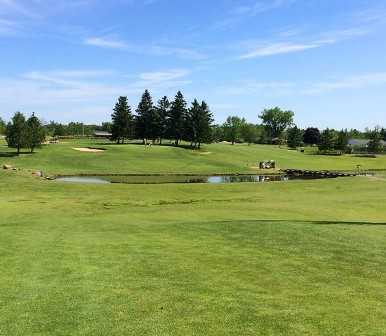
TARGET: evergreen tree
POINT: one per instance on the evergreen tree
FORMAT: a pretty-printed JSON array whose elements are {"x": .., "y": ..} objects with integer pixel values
[
  {"x": 198, "y": 126},
  {"x": 146, "y": 121},
  {"x": 162, "y": 116},
  {"x": 16, "y": 132},
  {"x": 294, "y": 137},
  {"x": 122, "y": 121},
  {"x": 177, "y": 117},
  {"x": 35, "y": 132},
  {"x": 327, "y": 141},
  {"x": 2, "y": 126}
]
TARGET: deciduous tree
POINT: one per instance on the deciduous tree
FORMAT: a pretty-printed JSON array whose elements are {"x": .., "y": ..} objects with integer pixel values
[
  {"x": 311, "y": 136},
  {"x": 342, "y": 141},
  {"x": 249, "y": 132},
  {"x": 232, "y": 128},
  {"x": 374, "y": 146},
  {"x": 276, "y": 121}
]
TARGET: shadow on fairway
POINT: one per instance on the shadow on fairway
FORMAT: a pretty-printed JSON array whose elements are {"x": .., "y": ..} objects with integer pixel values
[
  {"x": 311, "y": 222},
  {"x": 4, "y": 154}
]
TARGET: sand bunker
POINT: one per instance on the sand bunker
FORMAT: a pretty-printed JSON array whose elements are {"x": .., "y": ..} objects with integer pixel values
[{"x": 88, "y": 149}]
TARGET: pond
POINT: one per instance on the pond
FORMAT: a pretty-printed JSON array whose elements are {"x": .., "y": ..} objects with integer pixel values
[{"x": 159, "y": 179}]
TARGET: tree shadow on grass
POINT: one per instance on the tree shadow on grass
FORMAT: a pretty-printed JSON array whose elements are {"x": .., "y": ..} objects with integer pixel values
[
  {"x": 345, "y": 223},
  {"x": 8, "y": 154},
  {"x": 315, "y": 222},
  {"x": 14, "y": 154}
]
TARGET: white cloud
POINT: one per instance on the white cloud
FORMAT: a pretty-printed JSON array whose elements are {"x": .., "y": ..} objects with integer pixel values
[
  {"x": 262, "y": 49},
  {"x": 278, "y": 48},
  {"x": 351, "y": 82},
  {"x": 241, "y": 13},
  {"x": 107, "y": 43},
  {"x": 277, "y": 89}
]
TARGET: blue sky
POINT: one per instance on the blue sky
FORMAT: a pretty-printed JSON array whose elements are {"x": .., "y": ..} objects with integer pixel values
[{"x": 71, "y": 60}]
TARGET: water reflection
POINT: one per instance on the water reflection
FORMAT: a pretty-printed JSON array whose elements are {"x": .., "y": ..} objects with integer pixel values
[{"x": 153, "y": 179}]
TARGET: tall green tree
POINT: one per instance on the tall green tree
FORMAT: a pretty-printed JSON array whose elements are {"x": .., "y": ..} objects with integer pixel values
[
  {"x": 146, "y": 118},
  {"x": 2, "y": 126},
  {"x": 341, "y": 143},
  {"x": 122, "y": 121},
  {"x": 35, "y": 132},
  {"x": 177, "y": 117},
  {"x": 199, "y": 124},
  {"x": 311, "y": 136},
  {"x": 374, "y": 145},
  {"x": 276, "y": 121},
  {"x": 383, "y": 133},
  {"x": 327, "y": 140},
  {"x": 232, "y": 128},
  {"x": 162, "y": 116},
  {"x": 294, "y": 137},
  {"x": 249, "y": 133},
  {"x": 16, "y": 132}
]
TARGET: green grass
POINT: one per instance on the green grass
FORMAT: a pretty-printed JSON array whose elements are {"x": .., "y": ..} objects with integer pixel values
[
  {"x": 215, "y": 158},
  {"x": 292, "y": 258}
]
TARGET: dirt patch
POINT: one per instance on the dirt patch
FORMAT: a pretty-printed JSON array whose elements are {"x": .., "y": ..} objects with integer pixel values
[{"x": 89, "y": 149}]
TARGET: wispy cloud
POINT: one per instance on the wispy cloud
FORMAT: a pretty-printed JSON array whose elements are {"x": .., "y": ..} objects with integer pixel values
[
  {"x": 278, "y": 89},
  {"x": 65, "y": 91},
  {"x": 159, "y": 81},
  {"x": 107, "y": 43},
  {"x": 178, "y": 52},
  {"x": 352, "y": 82},
  {"x": 274, "y": 47},
  {"x": 278, "y": 48},
  {"x": 241, "y": 13}
]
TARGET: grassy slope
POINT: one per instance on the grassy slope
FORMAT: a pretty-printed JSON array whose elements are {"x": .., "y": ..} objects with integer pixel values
[
  {"x": 215, "y": 158},
  {"x": 289, "y": 258}
]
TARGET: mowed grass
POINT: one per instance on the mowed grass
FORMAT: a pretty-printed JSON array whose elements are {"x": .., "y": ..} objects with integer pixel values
[
  {"x": 292, "y": 258},
  {"x": 134, "y": 158}
]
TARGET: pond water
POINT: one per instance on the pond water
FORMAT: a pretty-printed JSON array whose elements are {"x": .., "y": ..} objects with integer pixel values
[{"x": 158, "y": 179}]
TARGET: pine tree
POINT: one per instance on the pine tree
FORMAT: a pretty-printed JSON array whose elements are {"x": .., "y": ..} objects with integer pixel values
[
  {"x": 122, "y": 121},
  {"x": 327, "y": 140},
  {"x": 177, "y": 117},
  {"x": 294, "y": 137},
  {"x": 146, "y": 119},
  {"x": 162, "y": 116},
  {"x": 35, "y": 132},
  {"x": 16, "y": 132}
]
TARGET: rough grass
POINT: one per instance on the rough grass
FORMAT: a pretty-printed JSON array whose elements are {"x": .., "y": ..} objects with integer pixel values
[{"x": 293, "y": 258}]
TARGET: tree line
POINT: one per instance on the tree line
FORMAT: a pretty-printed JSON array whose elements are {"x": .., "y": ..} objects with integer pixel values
[
  {"x": 176, "y": 122},
  {"x": 24, "y": 133},
  {"x": 166, "y": 120}
]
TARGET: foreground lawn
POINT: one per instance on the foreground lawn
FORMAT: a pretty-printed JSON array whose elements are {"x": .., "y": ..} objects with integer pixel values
[{"x": 285, "y": 258}]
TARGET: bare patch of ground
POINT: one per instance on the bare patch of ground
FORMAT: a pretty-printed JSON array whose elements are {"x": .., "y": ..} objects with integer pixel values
[{"x": 88, "y": 149}]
